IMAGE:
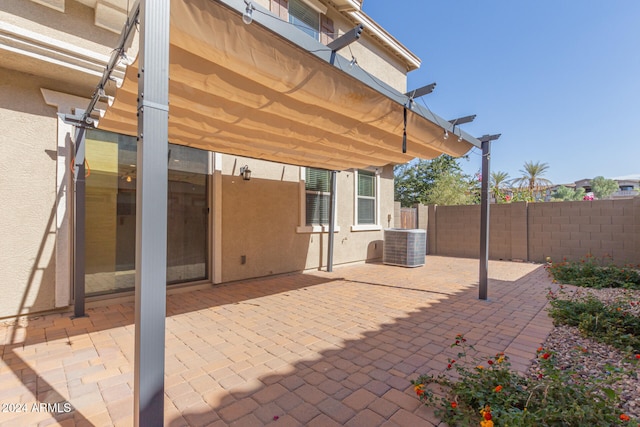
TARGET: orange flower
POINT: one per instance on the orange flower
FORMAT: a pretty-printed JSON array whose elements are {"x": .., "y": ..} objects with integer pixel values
[
  {"x": 454, "y": 405},
  {"x": 498, "y": 388},
  {"x": 624, "y": 417},
  {"x": 487, "y": 418}
]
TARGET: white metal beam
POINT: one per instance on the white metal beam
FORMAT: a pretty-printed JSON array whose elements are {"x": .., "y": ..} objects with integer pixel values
[{"x": 151, "y": 213}]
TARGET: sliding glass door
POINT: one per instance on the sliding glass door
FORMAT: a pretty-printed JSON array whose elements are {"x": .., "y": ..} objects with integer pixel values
[{"x": 111, "y": 213}]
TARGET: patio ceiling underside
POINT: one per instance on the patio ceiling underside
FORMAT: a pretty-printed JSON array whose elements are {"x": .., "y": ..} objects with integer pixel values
[{"x": 244, "y": 90}]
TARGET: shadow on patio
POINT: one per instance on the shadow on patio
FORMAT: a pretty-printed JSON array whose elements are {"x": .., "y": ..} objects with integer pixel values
[{"x": 309, "y": 349}]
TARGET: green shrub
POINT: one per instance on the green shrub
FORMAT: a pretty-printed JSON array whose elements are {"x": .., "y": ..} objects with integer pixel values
[
  {"x": 491, "y": 394},
  {"x": 590, "y": 272},
  {"x": 611, "y": 324}
]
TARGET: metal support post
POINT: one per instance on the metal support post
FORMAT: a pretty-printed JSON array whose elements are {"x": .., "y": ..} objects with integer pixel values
[
  {"x": 151, "y": 213},
  {"x": 79, "y": 221},
  {"x": 484, "y": 221},
  {"x": 332, "y": 220}
]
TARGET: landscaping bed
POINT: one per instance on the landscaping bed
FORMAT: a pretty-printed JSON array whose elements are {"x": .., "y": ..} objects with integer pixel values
[
  {"x": 586, "y": 373},
  {"x": 591, "y": 359}
]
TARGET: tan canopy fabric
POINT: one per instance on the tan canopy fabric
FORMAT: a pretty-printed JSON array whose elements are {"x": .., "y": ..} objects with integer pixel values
[{"x": 244, "y": 90}]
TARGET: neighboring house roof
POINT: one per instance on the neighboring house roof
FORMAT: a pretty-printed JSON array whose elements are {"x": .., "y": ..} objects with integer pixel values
[
  {"x": 632, "y": 177},
  {"x": 266, "y": 91}
]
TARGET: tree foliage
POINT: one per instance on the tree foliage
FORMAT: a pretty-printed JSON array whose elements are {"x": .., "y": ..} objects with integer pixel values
[
  {"x": 602, "y": 187},
  {"x": 419, "y": 182},
  {"x": 451, "y": 188},
  {"x": 566, "y": 194}
]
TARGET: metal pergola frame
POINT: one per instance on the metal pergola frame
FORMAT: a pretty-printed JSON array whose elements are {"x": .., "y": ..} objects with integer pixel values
[{"x": 153, "y": 18}]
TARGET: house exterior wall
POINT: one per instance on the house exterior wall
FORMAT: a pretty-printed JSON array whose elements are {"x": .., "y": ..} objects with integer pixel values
[
  {"x": 261, "y": 221},
  {"x": 57, "y": 55},
  {"x": 27, "y": 195},
  {"x": 369, "y": 54},
  {"x": 64, "y": 46}
]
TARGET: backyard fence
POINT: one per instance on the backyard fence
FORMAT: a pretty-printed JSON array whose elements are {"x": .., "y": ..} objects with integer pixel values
[
  {"x": 534, "y": 231},
  {"x": 408, "y": 218}
]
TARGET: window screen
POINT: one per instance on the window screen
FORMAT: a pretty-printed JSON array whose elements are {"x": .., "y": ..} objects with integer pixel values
[
  {"x": 304, "y": 18},
  {"x": 366, "y": 197},
  {"x": 317, "y": 184}
]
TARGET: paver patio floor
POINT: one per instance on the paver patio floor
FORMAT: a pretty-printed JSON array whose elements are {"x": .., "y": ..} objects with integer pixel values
[{"x": 315, "y": 349}]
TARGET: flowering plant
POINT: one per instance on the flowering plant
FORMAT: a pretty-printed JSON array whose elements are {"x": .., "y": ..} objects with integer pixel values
[{"x": 492, "y": 394}]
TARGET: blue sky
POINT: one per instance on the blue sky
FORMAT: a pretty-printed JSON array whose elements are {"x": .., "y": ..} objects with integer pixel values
[{"x": 559, "y": 79}]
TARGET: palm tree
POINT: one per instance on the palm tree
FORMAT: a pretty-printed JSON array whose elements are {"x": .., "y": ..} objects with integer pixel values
[
  {"x": 498, "y": 182},
  {"x": 532, "y": 179}
]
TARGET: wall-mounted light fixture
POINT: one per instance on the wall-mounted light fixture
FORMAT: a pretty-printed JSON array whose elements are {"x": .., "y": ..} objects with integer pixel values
[
  {"x": 245, "y": 173},
  {"x": 247, "y": 16}
]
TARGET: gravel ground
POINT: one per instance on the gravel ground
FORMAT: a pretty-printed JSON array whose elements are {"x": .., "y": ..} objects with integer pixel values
[{"x": 591, "y": 359}]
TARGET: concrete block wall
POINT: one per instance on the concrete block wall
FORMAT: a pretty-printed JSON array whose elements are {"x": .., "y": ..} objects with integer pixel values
[
  {"x": 602, "y": 228},
  {"x": 534, "y": 231},
  {"x": 458, "y": 231}
]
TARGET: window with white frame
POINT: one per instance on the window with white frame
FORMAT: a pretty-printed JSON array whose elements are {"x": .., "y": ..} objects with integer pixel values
[
  {"x": 305, "y": 18},
  {"x": 367, "y": 200},
  {"x": 315, "y": 197},
  {"x": 317, "y": 191},
  {"x": 366, "y": 197}
]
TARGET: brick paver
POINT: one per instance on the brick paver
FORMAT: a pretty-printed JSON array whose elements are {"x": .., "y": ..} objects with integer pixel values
[{"x": 314, "y": 349}]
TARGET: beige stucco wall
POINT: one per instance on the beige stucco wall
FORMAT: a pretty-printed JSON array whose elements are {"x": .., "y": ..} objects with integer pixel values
[
  {"x": 27, "y": 196},
  {"x": 63, "y": 46},
  {"x": 369, "y": 54},
  {"x": 75, "y": 25},
  {"x": 261, "y": 217}
]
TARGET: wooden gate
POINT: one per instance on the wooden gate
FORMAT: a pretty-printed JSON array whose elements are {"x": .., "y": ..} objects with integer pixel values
[{"x": 408, "y": 218}]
